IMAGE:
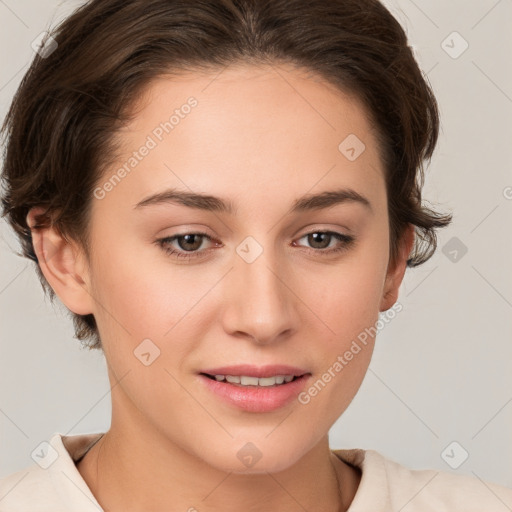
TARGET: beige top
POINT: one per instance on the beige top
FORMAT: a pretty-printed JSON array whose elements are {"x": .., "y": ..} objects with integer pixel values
[{"x": 54, "y": 484}]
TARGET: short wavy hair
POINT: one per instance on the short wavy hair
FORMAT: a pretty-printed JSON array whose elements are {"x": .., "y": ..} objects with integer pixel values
[{"x": 59, "y": 131}]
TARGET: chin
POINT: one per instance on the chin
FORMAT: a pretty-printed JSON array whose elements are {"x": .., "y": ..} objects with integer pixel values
[{"x": 249, "y": 460}]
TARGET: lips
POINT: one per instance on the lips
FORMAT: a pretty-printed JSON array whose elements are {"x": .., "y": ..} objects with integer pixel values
[
  {"x": 255, "y": 371},
  {"x": 250, "y": 398}
]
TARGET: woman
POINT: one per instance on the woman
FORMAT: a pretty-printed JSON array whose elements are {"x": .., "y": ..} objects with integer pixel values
[{"x": 225, "y": 195}]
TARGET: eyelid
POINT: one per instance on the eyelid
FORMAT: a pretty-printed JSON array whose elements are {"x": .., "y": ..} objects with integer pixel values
[{"x": 318, "y": 228}]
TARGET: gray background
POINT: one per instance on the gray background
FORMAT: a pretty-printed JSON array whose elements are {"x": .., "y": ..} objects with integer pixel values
[{"x": 441, "y": 369}]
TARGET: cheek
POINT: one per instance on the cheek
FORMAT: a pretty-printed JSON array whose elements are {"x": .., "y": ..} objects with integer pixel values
[
  {"x": 349, "y": 307},
  {"x": 348, "y": 298},
  {"x": 135, "y": 283},
  {"x": 143, "y": 318},
  {"x": 130, "y": 300},
  {"x": 142, "y": 296},
  {"x": 348, "y": 303}
]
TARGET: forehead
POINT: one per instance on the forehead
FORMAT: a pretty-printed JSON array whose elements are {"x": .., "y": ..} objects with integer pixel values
[
  {"x": 264, "y": 96},
  {"x": 272, "y": 129}
]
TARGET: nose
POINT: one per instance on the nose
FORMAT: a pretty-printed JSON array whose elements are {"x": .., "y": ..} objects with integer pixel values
[{"x": 260, "y": 303}]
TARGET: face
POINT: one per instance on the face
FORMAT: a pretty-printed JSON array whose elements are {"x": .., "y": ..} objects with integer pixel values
[{"x": 179, "y": 287}]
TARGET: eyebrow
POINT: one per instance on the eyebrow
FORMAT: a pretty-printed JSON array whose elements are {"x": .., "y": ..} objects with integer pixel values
[{"x": 211, "y": 203}]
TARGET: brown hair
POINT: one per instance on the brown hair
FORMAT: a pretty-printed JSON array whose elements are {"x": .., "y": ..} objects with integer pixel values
[{"x": 60, "y": 126}]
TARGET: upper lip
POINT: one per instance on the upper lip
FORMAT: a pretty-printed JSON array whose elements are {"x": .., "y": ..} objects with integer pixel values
[{"x": 256, "y": 371}]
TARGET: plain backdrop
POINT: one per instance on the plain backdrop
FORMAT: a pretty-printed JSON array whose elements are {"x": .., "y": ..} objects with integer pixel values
[{"x": 439, "y": 387}]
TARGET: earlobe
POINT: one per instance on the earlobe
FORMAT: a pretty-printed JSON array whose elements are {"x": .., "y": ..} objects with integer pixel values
[
  {"x": 396, "y": 273},
  {"x": 61, "y": 263}
]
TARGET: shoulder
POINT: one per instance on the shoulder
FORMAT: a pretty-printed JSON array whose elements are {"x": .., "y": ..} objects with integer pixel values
[
  {"x": 30, "y": 486},
  {"x": 386, "y": 481},
  {"x": 53, "y": 482},
  {"x": 444, "y": 491}
]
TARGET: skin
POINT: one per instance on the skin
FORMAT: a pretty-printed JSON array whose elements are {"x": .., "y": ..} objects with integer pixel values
[{"x": 260, "y": 137}]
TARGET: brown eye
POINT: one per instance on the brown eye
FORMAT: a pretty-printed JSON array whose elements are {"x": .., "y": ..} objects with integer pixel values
[
  {"x": 190, "y": 242},
  {"x": 186, "y": 243},
  {"x": 320, "y": 241}
]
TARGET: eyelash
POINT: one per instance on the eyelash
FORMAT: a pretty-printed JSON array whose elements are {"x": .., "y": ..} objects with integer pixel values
[{"x": 347, "y": 241}]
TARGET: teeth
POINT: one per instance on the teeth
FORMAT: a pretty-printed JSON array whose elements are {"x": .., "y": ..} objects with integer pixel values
[{"x": 244, "y": 380}]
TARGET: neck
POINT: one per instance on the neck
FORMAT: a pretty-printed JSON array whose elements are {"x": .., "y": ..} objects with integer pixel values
[{"x": 135, "y": 467}]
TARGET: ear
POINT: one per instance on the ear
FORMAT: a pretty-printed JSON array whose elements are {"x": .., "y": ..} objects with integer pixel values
[
  {"x": 396, "y": 272},
  {"x": 63, "y": 264}
]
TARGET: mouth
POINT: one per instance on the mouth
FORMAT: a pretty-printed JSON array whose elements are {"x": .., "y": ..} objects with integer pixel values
[
  {"x": 255, "y": 394},
  {"x": 250, "y": 381}
]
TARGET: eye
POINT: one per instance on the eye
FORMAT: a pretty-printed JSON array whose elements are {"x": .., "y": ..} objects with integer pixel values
[
  {"x": 318, "y": 240},
  {"x": 190, "y": 243}
]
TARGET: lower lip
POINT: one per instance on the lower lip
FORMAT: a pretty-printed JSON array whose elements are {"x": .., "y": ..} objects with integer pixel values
[{"x": 256, "y": 398}]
